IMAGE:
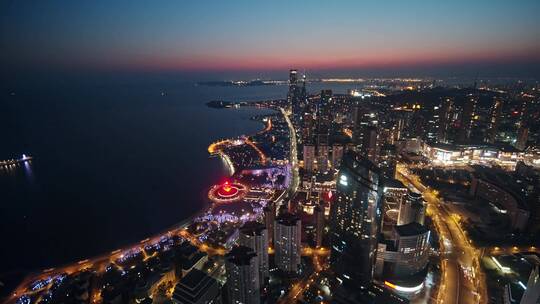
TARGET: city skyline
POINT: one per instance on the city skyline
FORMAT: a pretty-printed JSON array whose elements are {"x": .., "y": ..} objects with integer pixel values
[{"x": 212, "y": 152}]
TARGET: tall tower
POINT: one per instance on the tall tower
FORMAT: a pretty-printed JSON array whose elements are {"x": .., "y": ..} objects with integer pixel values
[
  {"x": 288, "y": 242},
  {"x": 494, "y": 120},
  {"x": 322, "y": 157},
  {"x": 309, "y": 157},
  {"x": 242, "y": 275},
  {"x": 292, "y": 95},
  {"x": 388, "y": 160},
  {"x": 467, "y": 117},
  {"x": 369, "y": 144},
  {"x": 445, "y": 118},
  {"x": 254, "y": 235},
  {"x": 355, "y": 219}
]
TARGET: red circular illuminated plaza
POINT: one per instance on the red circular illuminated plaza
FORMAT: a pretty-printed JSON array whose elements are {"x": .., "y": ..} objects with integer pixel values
[{"x": 227, "y": 192}]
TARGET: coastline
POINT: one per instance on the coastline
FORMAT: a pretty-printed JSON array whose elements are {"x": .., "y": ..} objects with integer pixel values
[{"x": 99, "y": 261}]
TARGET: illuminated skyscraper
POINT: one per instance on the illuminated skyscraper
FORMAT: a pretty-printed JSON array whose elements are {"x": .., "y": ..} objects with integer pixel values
[
  {"x": 388, "y": 160},
  {"x": 254, "y": 235},
  {"x": 322, "y": 158},
  {"x": 309, "y": 157},
  {"x": 445, "y": 118},
  {"x": 337, "y": 155},
  {"x": 355, "y": 219},
  {"x": 288, "y": 233},
  {"x": 293, "y": 94},
  {"x": 242, "y": 276},
  {"x": 369, "y": 143},
  {"x": 467, "y": 117},
  {"x": 494, "y": 120}
]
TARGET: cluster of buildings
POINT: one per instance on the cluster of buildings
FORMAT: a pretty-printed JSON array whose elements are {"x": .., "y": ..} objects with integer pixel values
[{"x": 351, "y": 232}]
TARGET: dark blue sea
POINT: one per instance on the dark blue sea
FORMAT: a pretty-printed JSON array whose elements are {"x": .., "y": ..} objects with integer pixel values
[{"x": 113, "y": 164}]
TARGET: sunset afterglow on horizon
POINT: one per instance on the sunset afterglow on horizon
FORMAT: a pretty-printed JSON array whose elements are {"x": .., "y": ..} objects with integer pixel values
[{"x": 246, "y": 35}]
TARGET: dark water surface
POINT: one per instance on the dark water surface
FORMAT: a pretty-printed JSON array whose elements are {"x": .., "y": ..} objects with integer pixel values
[{"x": 112, "y": 164}]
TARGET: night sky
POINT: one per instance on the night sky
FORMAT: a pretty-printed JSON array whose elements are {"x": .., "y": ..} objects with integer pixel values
[{"x": 263, "y": 37}]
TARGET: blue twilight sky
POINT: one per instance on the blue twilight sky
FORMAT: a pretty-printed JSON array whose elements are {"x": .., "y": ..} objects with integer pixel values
[{"x": 227, "y": 36}]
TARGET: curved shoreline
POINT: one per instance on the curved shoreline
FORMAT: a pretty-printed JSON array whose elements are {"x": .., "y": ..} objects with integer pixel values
[{"x": 100, "y": 261}]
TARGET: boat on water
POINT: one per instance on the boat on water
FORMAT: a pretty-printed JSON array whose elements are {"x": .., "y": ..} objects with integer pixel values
[{"x": 10, "y": 162}]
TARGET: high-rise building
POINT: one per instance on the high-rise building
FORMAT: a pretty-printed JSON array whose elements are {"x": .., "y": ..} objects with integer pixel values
[
  {"x": 360, "y": 121},
  {"x": 369, "y": 144},
  {"x": 522, "y": 137},
  {"x": 445, "y": 119},
  {"x": 196, "y": 287},
  {"x": 269, "y": 218},
  {"x": 409, "y": 253},
  {"x": 388, "y": 160},
  {"x": 322, "y": 158},
  {"x": 242, "y": 276},
  {"x": 355, "y": 219},
  {"x": 288, "y": 233},
  {"x": 307, "y": 127},
  {"x": 394, "y": 193},
  {"x": 494, "y": 120},
  {"x": 318, "y": 212},
  {"x": 254, "y": 235},
  {"x": 412, "y": 209},
  {"x": 337, "y": 155},
  {"x": 324, "y": 105},
  {"x": 309, "y": 158},
  {"x": 467, "y": 118},
  {"x": 292, "y": 95}
]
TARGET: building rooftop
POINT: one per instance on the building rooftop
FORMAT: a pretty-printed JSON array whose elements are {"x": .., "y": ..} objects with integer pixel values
[
  {"x": 252, "y": 228},
  {"x": 411, "y": 229},
  {"x": 193, "y": 286},
  {"x": 240, "y": 255},
  {"x": 392, "y": 183},
  {"x": 287, "y": 219}
]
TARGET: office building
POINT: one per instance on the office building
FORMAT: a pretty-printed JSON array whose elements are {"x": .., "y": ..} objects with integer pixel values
[{"x": 355, "y": 219}]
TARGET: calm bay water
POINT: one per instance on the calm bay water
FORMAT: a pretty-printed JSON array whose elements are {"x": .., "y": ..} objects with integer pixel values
[{"x": 112, "y": 165}]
